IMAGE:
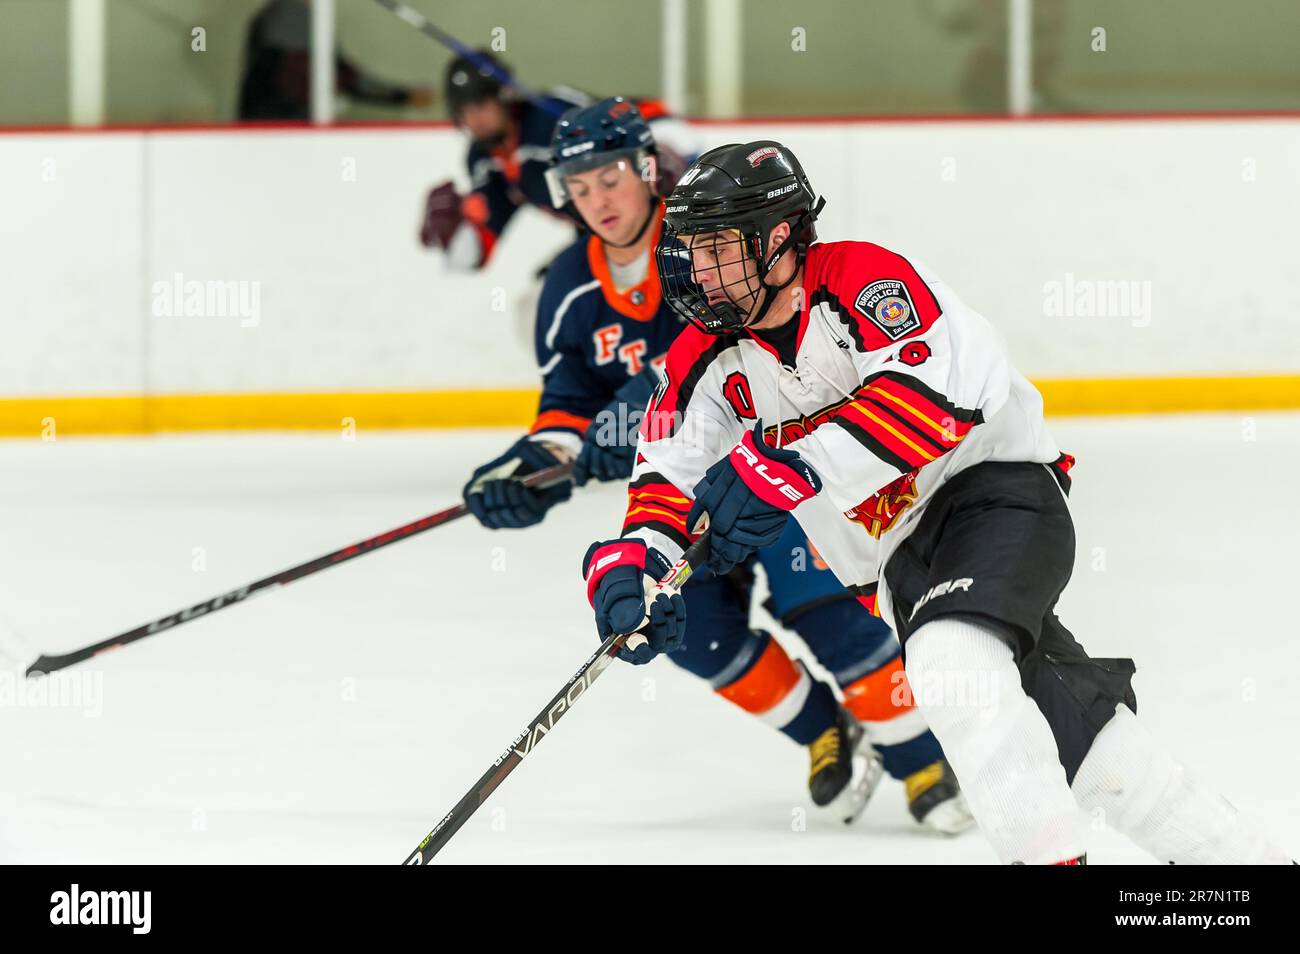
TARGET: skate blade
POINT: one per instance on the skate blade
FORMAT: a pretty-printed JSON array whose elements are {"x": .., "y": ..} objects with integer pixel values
[
  {"x": 868, "y": 770},
  {"x": 949, "y": 818}
]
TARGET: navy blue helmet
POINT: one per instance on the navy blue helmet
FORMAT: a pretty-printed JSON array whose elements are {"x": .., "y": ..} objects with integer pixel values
[{"x": 588, "y": 137}]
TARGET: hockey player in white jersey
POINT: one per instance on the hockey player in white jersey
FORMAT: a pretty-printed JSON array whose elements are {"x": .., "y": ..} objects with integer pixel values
[{"x": 849, "y": 385}]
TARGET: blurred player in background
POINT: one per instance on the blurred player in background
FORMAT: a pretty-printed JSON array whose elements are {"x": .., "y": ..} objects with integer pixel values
[
  {"x": 509, "y": 148},
  {"x": 918, "y": 460},
  {"x": 277, "y": 70},
  {"x": 509, "y": 152},
  {"x": 601, "y": 329}
]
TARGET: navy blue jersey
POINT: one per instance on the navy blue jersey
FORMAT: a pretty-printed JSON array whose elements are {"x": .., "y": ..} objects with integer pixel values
[
  {"x": 594, "y": 341},
  {"x": 513, "y": 174},
  {"x": 504, "y": 179}
]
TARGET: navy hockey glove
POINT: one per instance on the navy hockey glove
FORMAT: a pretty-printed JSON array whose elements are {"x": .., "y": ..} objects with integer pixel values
[
  {"x": 619, "y": 574},
  {"x": 607, "y": 454},
  {"x": 748, "y": 496},
  {"x": 609, "y": 446},
  {"x": 497, "y": 497}
]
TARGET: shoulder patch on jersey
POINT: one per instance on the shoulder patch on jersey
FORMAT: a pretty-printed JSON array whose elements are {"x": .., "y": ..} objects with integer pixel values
[
  {"x": 888, "y": 304},
  {"x": 876, "y": 294}
]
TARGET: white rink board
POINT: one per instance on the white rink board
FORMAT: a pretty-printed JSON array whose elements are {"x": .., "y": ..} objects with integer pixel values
[
  {"x": 349, "y": 300},
  {"x": 337, "y": 719},
  {"x": 71, "y": 291},
  {"x": 1203, "y": 212}
]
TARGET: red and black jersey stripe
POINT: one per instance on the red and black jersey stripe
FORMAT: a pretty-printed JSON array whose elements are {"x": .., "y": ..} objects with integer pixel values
[
  {"x": 866, "y": 594},
  {"x": 1061, "y": 471},
  {"x": 689, "y": 359},
  {"x": 903, "y": 421},
  {"x": 850, "y": 321},
  {"x": 654, "y": 503}
]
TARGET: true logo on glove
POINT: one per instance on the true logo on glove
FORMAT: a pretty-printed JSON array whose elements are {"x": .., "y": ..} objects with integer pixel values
[
  {"x": 605, "y": 561},
  {"x": 781, "y": 485}
]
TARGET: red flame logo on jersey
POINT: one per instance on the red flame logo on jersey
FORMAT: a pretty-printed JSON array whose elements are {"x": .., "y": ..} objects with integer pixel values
[{"x": 882, "y": 509}]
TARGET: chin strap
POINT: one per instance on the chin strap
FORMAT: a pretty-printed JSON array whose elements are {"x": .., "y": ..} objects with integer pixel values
[{"x": 800, "y": 251}]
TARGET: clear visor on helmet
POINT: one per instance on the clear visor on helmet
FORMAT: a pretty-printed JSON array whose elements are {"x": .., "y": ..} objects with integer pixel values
[
  {"x": 710, "y": 279},
  {"x": 558, "y": 174}
]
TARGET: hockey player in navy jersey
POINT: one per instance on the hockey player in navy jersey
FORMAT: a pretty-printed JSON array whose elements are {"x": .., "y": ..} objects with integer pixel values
[
  {"x": 849, "y": 386},
  {"x": 602, "y": 328},
  {"x": 507, "y": 159},
  {"x": 509, "y": 152}
]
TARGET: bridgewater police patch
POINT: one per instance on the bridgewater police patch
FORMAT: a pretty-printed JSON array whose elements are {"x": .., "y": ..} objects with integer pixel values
[{"x": 889, "y": 306}]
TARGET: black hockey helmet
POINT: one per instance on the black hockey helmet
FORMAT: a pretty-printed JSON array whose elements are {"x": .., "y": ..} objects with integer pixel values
[
  {"x": 588, "y": 137},
  {"x": 472, "y": 79},
  {"x": 744, "y": 190}
]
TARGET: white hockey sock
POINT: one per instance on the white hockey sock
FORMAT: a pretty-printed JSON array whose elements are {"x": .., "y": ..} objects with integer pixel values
[
  {"x": 1136, "y": 787},
  {"x": 966, "y": 683}
]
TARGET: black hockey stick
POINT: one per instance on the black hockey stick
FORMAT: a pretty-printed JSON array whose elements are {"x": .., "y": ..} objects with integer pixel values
[
  {"x": 430, "y": 29},
  {"x": 47, "y": 664},
  {"x": 542, "y": 724}
]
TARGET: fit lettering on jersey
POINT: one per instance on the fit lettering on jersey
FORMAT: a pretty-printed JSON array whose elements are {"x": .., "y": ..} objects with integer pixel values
[
  {"x": 897, "y": 385},
  {"x": 593, "y": 339}
]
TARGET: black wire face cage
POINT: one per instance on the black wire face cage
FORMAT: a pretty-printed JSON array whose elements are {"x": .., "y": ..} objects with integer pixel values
[{"x": 713, "y": 279}]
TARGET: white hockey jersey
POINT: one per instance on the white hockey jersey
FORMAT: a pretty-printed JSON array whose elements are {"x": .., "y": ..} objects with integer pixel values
[{"x": 895, "y": 387}]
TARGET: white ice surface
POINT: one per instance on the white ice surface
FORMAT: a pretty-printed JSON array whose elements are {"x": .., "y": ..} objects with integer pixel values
[{"x": 337, "y": 719}]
